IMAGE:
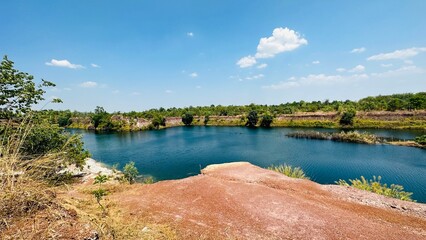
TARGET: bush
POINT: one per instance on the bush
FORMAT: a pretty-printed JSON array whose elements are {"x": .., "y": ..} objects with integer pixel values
[
  {"x": 347, "y": 118},
  {"x": 252, "y": 119},
  {"x": 187, "y": 118},
  {"x": 158, "y": 121},
  {"x": 45, "y": 138},
  {"x": 266, "y": 120},
  {"x": 206, "y": 119},
  {"x": 289, "y": 171},
  {"x": 421, "y": 140},
  {"x": 130, "y": 172},
  {"x": 374, "y": 185}
]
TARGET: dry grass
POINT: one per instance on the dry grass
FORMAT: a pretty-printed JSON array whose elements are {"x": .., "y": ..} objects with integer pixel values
[
  {"x": 112, "y": 223},
  {"x": 31, "y": 209}
]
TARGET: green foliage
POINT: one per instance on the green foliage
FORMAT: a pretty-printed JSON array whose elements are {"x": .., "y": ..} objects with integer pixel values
[
  {"x": 266, "y": 121},
  {"x": 206, "y": 119},
  {"x": 130, "y": 172},
  {"x": 148, "y": 180},
  {"x": 252, "y": 119},
  {"x": 421, "y": 140},
  {"x": 187, "y": 118},
  {"x": 374, "y": 185},
  {"x": 101, "y": 178},
  {"x": 101, "y": 119},
  {"x": 407, "y": 101},
  {"x": 44, "y": 138},
  {"x": 347, "y": 118},
  {"x": 350, "y": 136},
  {"x": 18, "y": 92},
  {"x": 158, "y": 121},
  {"x": 293, "y": 172}
]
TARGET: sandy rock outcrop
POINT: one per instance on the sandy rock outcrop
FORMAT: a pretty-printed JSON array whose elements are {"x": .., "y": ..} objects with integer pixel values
[{"x": 242, "y": 201}]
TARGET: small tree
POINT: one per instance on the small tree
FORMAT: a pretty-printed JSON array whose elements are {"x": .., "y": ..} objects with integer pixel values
[
  {"x": 206, "y": 119},
  {"x": 158, "y": 121},
  {"x": 100, "y": 192},
  {"x": 347, "y": 118},
  {"x": 101, "y": 119},
  {"x": 266, "y": 120},
  {"x": 18, "y": 92},
  {"x": 130, "y": 172},
  {"x": 252, "y": 119},
  {"x": 187, "y": 118}
]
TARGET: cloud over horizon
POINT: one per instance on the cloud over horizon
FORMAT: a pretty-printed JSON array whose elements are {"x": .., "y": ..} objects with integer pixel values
[
  {"x": 398, "y": 54},
  {"x": 63, "y": 63},
  {"x": 282, "y": 40},
  {"x": 89, "y": 84}
]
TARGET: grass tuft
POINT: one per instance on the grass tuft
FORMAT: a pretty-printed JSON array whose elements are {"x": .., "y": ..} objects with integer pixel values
[
  {"x": 374, "y": 185},
  {"x": 289, "y": 171}
]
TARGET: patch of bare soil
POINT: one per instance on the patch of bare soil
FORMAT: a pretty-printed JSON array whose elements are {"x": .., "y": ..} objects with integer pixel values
[{"x": 242, "y": 201}]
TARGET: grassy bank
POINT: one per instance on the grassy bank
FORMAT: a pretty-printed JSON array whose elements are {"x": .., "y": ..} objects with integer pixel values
[{"x": 354, "y": 137}]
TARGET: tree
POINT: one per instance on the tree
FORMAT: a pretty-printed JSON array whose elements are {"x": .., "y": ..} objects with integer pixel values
[
  {"x": 130, "y": 172},
  {"x": 101, "y": 119},
  {"x": 187, "y": 118},
  {"x": 158, "y": 121},
  {"x": 348, "y": 117},
  {"x": 18, "y": 92},
  {"x": 266, "y": 120},
  {"x": 252, "y": 119}
]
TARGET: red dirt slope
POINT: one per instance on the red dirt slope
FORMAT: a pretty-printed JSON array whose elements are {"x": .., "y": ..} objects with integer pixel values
[{"x": 242, "y": 201}]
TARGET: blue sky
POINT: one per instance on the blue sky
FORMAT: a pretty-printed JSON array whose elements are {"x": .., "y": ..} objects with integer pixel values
[{"x": 136, "y": 55}]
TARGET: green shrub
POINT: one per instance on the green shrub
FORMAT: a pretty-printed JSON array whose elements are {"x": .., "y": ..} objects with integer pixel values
[
  {"x": 130, "y": 172},
  {"x": 374, "y": 185},
  {"x": 266, "y": 120},
  {"x": 293, "y": 172},
  {"x": 347, "y": 118},
  {"x": 187, "y": 118},
  {"x": 421, "y": 140},
  {"x": 252, "y": 119}
]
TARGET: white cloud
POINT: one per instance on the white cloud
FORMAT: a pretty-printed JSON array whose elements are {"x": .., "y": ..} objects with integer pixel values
[
  {"x": 399, "y": 72},
  {"x": 398, "y": 54},
  {"x": 190, "y": 34},
  {"x": 386, "y": 65},
  {"x": 316, "y": 62},
  {"x": 282, "y": 40},
  {"x": 358, "y": 68},
  {"x": 246, "y": 62},
  {"x": 263, "y": 65},
  {"x": 410, "y": 62},
  {"x": 63, "y": 63},
  {"x": 315, "y": 79},
  {"x": 193, "y": 75},
  {"x": 89, "y": 84},
  {"x": 168, "y": 91},
  {"x": 341, "y": 69},
  {"x": 254, "y": 77},
  {"x": 198, "y": 87},
  {"x": 95, "y": 65},
  {"x": 358, "y": 50}
]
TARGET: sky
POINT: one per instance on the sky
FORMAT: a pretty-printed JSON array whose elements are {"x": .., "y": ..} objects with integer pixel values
[{"x": 135, "y": 55}]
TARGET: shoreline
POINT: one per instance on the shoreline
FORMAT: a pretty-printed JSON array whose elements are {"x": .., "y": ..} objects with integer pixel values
[{"x": 91, "y": 169}]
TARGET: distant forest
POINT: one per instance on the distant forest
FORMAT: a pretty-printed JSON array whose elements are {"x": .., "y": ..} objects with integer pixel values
[{"x": 406, "y": 101}]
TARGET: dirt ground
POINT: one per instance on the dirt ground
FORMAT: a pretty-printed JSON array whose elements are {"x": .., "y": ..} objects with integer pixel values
[
  {"x": 226, "y": 201},
  {"x": 242, "y": 201}
]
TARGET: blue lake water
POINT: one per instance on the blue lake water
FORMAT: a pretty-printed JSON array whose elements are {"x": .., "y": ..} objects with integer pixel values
[{"x": 180, "y": 152}]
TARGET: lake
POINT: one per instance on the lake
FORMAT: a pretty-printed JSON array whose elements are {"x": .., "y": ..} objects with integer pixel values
[{"x": 182, "y": 151}]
